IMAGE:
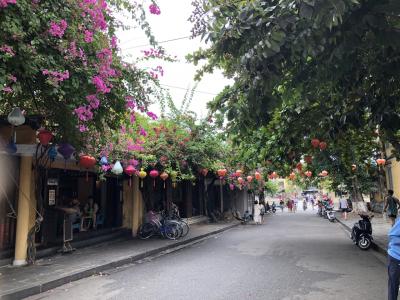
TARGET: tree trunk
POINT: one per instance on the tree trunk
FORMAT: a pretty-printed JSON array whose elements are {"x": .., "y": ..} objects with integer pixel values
[{"x": 359, "y": 206}]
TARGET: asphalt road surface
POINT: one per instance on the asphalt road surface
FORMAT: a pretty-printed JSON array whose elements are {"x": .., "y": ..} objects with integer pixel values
[{"x": 291, "y": 256}]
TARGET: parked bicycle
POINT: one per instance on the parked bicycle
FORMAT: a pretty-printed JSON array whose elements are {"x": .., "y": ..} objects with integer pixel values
[{"x": 160, "y": 224}]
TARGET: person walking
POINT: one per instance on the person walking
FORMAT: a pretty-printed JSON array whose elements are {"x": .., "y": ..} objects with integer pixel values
[
  {"x": 394, "y": 262},
  {"x": 289, "y": 205},
  {"x": 257, "y": 212},
  {"x": 343, "y": 206},
  {"x": 282, "y": 204},
  {"x": 392, "y": 205}
]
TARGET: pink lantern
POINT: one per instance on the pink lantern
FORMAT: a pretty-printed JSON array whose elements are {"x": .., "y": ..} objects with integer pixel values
[
  {"x": 154, "y": 174},
  {"x": 381, "y": 161},
  {"x": 231, "y": 186},
  {"x": 130, "y": 170},
  {"x": 324, "y": 173},
  {"x": 238, "y": 173},
  {"x": 249, "y": 178},
  {"x": 222, "y": 173},
  {"x": 308, "y": 174}
]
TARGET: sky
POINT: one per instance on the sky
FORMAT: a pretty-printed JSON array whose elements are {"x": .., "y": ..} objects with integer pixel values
[{"x": 173, "y": 23}]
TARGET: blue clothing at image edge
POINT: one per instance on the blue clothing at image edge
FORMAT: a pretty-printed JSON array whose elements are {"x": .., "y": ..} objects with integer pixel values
[{"x": 394, "y": 241}]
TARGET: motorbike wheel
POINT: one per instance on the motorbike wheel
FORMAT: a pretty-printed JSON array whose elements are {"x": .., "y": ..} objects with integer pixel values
[
  {"x": 364, "y": 243},
  {"x": 332, "y": 220}
]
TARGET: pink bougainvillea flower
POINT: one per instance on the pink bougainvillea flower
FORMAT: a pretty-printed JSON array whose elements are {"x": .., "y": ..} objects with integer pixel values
[
  {"x": 82, "y": 128},
  {"x": 88, "y": 36},
  {"x": 152, "y": 115},
  {"x": 4, "y": 3},
  {"x": 154, "y": 9},
  {"x": 7, "y": 90},
  {"x": 101, "y": 86},
  {"x": 12, "y": 78},
  {"x": 114, "y": 42},
  {"x": 132, "y": 118},
  {"x": 94, "y": 102},
  {"x": 142, "y": 132},
  {"x": 7, "y": 49},
  {"x": 130, "y": 103},
  {"x": 58, "y": 29}
]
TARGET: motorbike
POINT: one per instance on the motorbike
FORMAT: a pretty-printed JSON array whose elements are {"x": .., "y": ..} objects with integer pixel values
[
  {"x": 273, "y": 208},
  {"x": 361, "y": 233},
  {"x": 330, "y": 214}
]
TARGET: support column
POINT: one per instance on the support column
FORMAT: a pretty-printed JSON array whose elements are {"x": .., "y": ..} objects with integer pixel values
[
  {"x": 24, "y": 212},
  {"x": 137, "y": 214}
]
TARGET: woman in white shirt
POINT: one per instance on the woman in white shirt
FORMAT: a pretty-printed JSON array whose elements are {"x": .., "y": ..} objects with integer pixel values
[{"x": 257, "y": 212}]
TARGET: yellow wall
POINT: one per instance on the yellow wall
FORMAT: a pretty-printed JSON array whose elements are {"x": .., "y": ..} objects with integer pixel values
[{"x": 133, "y": 208}]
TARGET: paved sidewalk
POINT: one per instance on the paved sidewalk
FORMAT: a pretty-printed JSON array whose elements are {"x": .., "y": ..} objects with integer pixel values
[
  {"x": 48, "y": 273},
  {"x": 380, "y": 229}
]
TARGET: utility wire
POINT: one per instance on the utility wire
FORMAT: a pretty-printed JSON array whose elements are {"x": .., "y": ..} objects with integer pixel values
[
  {"x": 185, "y": 89},
  {"x": 161, "y": 42}
]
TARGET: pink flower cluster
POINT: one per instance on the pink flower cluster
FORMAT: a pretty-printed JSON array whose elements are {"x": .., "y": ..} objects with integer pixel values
[
  {"x": 100, "y": 85},
  {"x": 58, "y": 29},
  {"x": 154, "y": 9},
  {"x": 155, "y": 72},
  {"x": 153, "y": 53},
  {"x": 4, "y": 3},
  {"x": 95, "y": 9},
  {"x": 56, "y": 76},
  {"x": 84, "y": 113},
  {"x": 152, "y": 115},
  {"x": 7, "y": 49},
  {"x": 88, "y": 36},
  {"x": 130, "y": 103},
  {"x": 7, "y": 90}
]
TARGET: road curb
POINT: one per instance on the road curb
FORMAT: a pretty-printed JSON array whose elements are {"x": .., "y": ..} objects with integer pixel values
[
  {"x": 45, "y": 286},
  {"x": 378, "y": 247}
]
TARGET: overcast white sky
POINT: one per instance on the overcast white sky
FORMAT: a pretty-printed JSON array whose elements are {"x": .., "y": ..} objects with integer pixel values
[{"x": 170, "y": 24}]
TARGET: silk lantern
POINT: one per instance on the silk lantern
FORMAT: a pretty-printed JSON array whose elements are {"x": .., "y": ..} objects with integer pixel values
[
  {"x": 292, "y": 176},
  {"x": 117, "y": 168},
  {"x": 238, "y": 173},
  {"x": 44, "y": 136},
  {"x": 154, "y": 175},
  {"x": 323, "y": 146},
  {"x": 130, "y": 170},
  {"x": 87, "y": 162},
  {"x": 324, "y": 173},
  {"x": 308, "y": 173},
  {"x": 142, "y": 175},
  {"x": 249, "y": 178},
  {"x": 164, "y": 176},
  {"x": 308, "y": 159},
  {"x": 257, "y": 175},
  {"x": 381, "y": 161},
  {"x": 66, "y": 150},
  {"x": 315, "y": 143}
]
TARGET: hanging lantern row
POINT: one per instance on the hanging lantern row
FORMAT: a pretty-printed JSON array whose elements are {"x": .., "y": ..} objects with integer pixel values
[{"x": 87, "y": 162}]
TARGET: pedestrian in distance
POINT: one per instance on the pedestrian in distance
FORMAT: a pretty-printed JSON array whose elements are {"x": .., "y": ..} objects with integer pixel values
[
  {"x": 289, "y": 205},
  {"x": 257, "y": 212},
  {"x": 394, "y": 262},
  {"x": 343, "y": 206},
  {"x": 282, "y": 205},
  {"x": 392, "y": 205},
  {"x": 262, "y": 211}
]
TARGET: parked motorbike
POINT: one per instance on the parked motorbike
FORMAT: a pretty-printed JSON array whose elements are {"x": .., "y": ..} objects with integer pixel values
[
  {"x": 361, "y": 233},
  {"x": 330, "y": 214}
]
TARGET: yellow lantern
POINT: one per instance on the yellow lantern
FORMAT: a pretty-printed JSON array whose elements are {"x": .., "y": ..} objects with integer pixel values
[{"x": 142, "y": 175}]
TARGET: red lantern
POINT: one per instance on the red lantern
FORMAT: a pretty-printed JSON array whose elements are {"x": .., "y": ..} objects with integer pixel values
[
  {"x": 308, "y": 159},
  {"x": 222, "y": 173},
  {"x": 257, "y": 175},
  {"x": 315, "y": 143},
  {"x": 130, "y": 170},
  {"x": 324, "y": 173},
  {"x": 292, "y": 176},
  {"x": 308, "y": 173},
  {"x": 164, "y": 176},
  {"x": 204, "y": 172},
  {"x": 381, "y": 161},
  {"x": 87, "y": 162},
  {"x": 249, "y": 178},
  {"x": 154, "y": 174},
  {"x": 323, "y": 145},
  {"x": 240, "y": 180},
  {"x": 44, "y": 137},
  {"x": 299, "y": 167},
  {"x": 238, "y": 173}
]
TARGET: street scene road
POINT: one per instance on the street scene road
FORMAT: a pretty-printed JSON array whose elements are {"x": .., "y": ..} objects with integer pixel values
[{"x": 290, "y": 256}]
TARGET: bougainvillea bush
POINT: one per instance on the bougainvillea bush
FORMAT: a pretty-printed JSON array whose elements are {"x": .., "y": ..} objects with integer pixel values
[{"x": 60, "y": 59}]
